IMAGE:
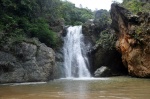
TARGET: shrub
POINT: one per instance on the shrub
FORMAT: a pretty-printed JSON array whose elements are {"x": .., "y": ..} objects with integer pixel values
[
  {"x": 40, "y": 29},
  {"x": 136, "y": 6},
  {"x": 107, "y": 39}
]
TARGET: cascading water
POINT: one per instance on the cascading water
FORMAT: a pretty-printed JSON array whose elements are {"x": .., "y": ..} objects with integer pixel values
[{"x": 75, "y": 59}]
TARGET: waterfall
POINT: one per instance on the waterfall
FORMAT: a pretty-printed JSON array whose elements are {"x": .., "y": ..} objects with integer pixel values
[{"x": 75, "y": 50}]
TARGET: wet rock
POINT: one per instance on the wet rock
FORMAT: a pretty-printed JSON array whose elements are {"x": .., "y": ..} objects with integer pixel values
[
  {"x": 64, "y": 32},
  {"x": 103, "y": 71},
  {"x": 59, "y": 70}
]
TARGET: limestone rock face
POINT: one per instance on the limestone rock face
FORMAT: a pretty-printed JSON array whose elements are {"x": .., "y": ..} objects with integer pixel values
[
  {"x": 133, "y": 39},
  {"x": 26, "y": 62}
]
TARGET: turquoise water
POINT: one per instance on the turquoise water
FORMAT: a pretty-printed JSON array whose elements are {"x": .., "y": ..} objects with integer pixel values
[{"x": 102, "y": 88}]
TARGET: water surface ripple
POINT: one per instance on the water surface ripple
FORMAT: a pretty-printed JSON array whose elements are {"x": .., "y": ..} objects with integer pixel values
[{"x": 102, "y": 88}]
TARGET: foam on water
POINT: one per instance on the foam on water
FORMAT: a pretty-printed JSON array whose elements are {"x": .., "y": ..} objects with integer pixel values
[
  {"x": 26, "y": 83},
  {"x": 84, "y": 78}
]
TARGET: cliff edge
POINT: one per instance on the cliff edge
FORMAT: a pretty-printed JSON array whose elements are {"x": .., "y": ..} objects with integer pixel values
[{"x": 133, "y": 32}]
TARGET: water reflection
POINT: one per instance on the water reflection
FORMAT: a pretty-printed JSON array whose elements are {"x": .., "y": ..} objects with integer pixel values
[
  {"x": 75, "y": 89},
  {"x": 113, "y": 88}
]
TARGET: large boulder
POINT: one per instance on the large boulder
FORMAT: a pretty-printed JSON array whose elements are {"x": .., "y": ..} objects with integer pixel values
[
  {"x": 26, "y": 62},
  {"x": 103, "y": 71},
  {"x": 133, "y": 39}
]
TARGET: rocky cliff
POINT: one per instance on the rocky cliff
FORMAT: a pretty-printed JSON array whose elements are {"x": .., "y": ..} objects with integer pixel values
[
  {"x": 133, "y": 42},
  {"x": 102, "y": 54},
  {"x": 26, "y": 62}
]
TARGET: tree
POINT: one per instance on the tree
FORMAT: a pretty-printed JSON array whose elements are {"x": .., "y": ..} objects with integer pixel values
[
  {"x": 34, "y": 18},
  {"x": 133, "y": 5}
]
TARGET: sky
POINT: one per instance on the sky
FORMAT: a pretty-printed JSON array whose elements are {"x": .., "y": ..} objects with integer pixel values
[{"x": 94, "y": 4}]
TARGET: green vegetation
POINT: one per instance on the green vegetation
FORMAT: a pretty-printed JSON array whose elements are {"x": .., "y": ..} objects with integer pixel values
[
  {"x": 107, "y": 39},
  {"x": 34, "y": 18},
  {"x": 73, "y": 15},
  {"x": 136, "y": 6},
  {"x": 102, "y": 18},
  {"x": 140, "y": 34}
]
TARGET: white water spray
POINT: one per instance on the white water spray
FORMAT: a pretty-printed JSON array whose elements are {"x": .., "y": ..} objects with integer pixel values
[{"x": 75, "y": 59}]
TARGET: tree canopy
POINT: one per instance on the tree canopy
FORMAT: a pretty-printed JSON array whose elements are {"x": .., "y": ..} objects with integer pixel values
[
  {"x": 136, "y": 6},
  {"x": 34, "y": 18}
]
